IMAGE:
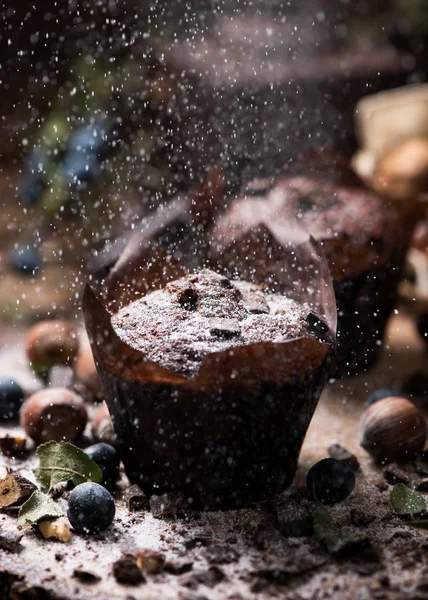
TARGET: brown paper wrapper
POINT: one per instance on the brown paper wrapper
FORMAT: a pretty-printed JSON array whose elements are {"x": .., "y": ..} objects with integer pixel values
[{"x": 231, "y": 434}]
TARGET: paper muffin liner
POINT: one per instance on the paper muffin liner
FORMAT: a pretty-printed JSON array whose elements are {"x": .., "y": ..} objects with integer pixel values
[{"x": 232, "y": 433}]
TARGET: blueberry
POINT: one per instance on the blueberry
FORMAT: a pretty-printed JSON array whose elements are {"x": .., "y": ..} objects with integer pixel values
[
  {"x": 11, "y": 398},
  {"x": 25, "y": 259},
  {"x": 330, "y": 481},
  {"x": 90, "y": 508},
  {"x": 84, "y": 155},
  {"x": 107, "y": 458},
  {"x": 81, "y": 166},
  {"x": 87, "y": 139},
  {"x": 380, "y": 394}
]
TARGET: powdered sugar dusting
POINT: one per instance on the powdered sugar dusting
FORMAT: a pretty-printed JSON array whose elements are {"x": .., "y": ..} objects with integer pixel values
[{"x": 203, "y": 313}]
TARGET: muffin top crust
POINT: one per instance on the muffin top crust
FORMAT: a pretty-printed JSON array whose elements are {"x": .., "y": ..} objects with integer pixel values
[
  {"x": 203, "y": 313},
  {"x": 356, "y": 228}
]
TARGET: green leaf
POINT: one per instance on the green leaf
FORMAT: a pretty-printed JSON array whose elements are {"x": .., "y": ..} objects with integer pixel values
[
  {"x": 331, "y": 536},
  {"x": 407, "y": 502},
  {"x": 61, "y": 461},
  {"x": 39, "y": 506}
]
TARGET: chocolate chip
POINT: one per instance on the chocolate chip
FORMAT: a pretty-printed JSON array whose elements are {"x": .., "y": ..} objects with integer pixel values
[
  {"x": 212, "y": 277},
  {"x": 197, "y": 541},
  {"x": 184, "y": 293},
  {"x": 296, "y": 528},
  {"x": 361, "y": 518},
  {"x": 211, "y": 577},
  {"x": 255, "y": 303},
  {"x": 316, "y": 325},
  {"x": 125, "y": 570},
  {"x": 306, "y": 203},
  {"x": 393, "y": 474},
  {"x": 344, "y": 456},
  {"x": 11, "y": 542},
  {"x": 278, "y": 576},
  {"x": 178, "y": 567},
  {"x": 167, "y": 506},
  {"x": 86, "y": 576},
  {"x": 225, "y": 328},
  {"x": 135, "y": 499}
]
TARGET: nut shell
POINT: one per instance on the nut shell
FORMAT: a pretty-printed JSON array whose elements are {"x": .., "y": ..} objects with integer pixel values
[
  {"x": 56, "y": 414},
  {"x": 393, "y": 429},
  {"x": 52, "y": 343}
]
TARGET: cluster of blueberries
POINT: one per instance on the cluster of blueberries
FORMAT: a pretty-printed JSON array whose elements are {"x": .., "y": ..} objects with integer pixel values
[
  {"x": 86, "y": 149},
  {"x": 81, "y": 162}
]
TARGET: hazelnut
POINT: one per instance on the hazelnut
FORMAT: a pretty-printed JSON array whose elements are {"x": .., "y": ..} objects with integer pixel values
[
  {"x": 393, "y": 429},
  {"x": 57, "y": 529},
  {"x": 149, "y": 562},
  {"x": 86, "y": 375},
  {"x": 102, "y": 426},
  {"x": 51, "y": 343},
  {"x": 56, "y": 414}
]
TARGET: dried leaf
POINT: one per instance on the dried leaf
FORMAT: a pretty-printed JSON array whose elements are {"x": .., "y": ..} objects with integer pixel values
[
  {"x": 39, "y": 506},
  {"x": 14, "y": 490},
  {"x": 331, "y": 536},
  {"x": 407, "y": 502},
  {"x": 62, "y": 461}
]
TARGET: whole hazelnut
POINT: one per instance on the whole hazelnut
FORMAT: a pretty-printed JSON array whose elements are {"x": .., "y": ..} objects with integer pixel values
[
  {"x": 86, "y": 375},
  {"x": 393, "y": 430},
  {"x": 51, "y": 343},
  {"x": 102, "y": 426},
  {"x": 56, "y": 414}
]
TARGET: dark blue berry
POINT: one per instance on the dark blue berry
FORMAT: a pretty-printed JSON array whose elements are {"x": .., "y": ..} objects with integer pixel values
[
  {"x": 79, "y": 166},
  {"x": 25, "y": 259},
  {"x": 90, "y": 508},
  {"x": 11, "y": 398},
  {"x": 90, "y": 138},
  {"x": 380, "y": 394},
  {"x": 330, "y": 481},
  {"x": 107, "y": 458},
  {"x": 86, "y": 148}
]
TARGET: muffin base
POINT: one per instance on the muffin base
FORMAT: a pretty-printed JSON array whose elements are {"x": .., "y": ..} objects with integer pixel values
[{"x": 221, "y": 449}]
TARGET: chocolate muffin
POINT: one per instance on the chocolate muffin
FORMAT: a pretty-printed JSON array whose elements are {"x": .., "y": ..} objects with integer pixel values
[
  {"x": 211, "y": 384},
  {"x": 363, "y": 236}
]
